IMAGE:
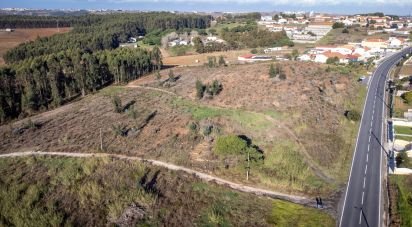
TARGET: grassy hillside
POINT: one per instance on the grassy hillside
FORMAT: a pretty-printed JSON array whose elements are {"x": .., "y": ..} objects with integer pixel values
[
  {"x": 297, "y": 123},
  {"x": 100, "y": 191}
]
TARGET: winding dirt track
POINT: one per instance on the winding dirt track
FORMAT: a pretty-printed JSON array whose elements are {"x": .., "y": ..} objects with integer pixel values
[
  {"x": 206, "y": 177},
  {"x": 307, "y": 158}
]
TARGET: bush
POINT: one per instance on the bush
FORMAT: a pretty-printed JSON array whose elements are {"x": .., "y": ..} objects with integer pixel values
[
  {"x": 211, "y": 61},
  {"x": 222, "y": 61},
  {"x": 132, "y": 113},
  {"x": 345, "y": 31},
  {"x": 402, "y": 160},
  {"x": 407, "y": 97},
  {"x": 207, "y": 130},
  {"x": 234, "y": 145},
  {"x": 200, "y": 89},
  {"x": 117, "y": 104},
  {"x": 193, "y": 127},
  {"x": 333, "y": 60},
  {"x": 172, "y": 77},
  {"x": 338, "y": 25},
  {"x": 119, "y": 130},
  {"x": 158, "y": 76},
  {"x": 253, "y": 51},
  {"x": 215, "y": 88},
  {"x": 353, "y": 115},
  {"x": 274, "y": 70}
]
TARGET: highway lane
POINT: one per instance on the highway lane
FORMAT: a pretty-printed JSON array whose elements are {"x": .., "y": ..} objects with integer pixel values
[{"x": 362, "y": 205}]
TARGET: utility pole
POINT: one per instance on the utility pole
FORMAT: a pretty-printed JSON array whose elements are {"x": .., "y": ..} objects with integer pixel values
[
  {"x": 248, "y": 165},
  {"x": 101, "y": 140}
]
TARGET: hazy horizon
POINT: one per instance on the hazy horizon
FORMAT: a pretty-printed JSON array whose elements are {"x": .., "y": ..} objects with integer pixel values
[{"x": 398, "y": 7}]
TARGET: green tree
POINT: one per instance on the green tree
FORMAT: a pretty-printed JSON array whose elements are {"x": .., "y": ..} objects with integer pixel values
[
  {"x": 274, "y": 70},
  {"x": 198, "y": 44},
  {"x": 234, "y": 145},
  {"x": 157, "y": 58}
]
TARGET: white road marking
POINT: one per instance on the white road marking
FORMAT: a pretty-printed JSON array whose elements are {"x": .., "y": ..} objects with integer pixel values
[
  {"x": 360, "y": 217},
  {"x": 364, "y": 182},
  {"x": 367, "y": 156},
  {"x": 368, "y": 145},
  {"x": 370, "y": 137},
  {"x": 363, "y": 194},
  {"x": 366, "y": 168}
]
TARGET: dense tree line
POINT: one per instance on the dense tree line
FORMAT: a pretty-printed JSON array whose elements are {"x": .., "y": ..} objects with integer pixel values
[
  {"x": 240, "y": 17},
  {"x": 19, "y": 21},
  {"x": 243, "y": 36},
  {"x": 101, "y": 32},
  {"x": 251, "y": 36},
  {"x": 50, "y": 80}
]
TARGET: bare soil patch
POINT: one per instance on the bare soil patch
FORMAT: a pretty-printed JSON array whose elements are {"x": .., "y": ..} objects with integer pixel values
[{"x": 9, "y": 40}]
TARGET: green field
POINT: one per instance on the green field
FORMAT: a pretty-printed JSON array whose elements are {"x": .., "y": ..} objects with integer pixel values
[
  {"x": 403, "y": 130},
  {"x": 406, "y": 138},
  {"x": 96, "y": 192},
  {"x": 251, "y": 120}
]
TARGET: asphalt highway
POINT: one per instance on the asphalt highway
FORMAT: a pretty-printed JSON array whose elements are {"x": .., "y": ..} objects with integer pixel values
[{"x": 362, "y": 204}]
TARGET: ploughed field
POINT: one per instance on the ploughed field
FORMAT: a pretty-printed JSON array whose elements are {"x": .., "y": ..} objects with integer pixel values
[{"x": 9, "y": 40}]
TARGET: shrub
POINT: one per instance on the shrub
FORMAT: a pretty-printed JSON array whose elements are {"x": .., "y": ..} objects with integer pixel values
[
  {"x": 193, "y": 127},
  {"x": 234, "y": 145},
  {"x": 274, "y": 70},
  {"x": 333, "y": 60},
  {"x": 295, "y": 54},
  {"x": 215, "y": 88},
  {"x": 119, "y": 130},
  {"x": 402, "y": 160},
  {"x": 222, "y": 61},
  {"x": 345, "y": 30},
  {"x": 172, "y": 77},
  {"x": 253, "y": 51},
  {"x": 117, "y": 104},
  {"x": 211, "y": 61},
  {"x": 282, "y": 76},
  {"x": 407, "y": 97},
  {"x": 207, "y": 130},
  {"x": 158, "y": 76},
  {"x": 353, "y": 115},
  {"x": 338, "y": 25},
  {"x": 132, "y": 113},
  {"x": 200, "y": 89}
]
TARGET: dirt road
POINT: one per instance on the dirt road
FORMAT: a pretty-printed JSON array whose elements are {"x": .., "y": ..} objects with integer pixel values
[{"x": 206, "y": 177}]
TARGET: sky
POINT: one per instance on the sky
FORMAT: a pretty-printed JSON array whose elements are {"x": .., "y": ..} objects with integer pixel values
[{"x": 399, "y": 7}]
